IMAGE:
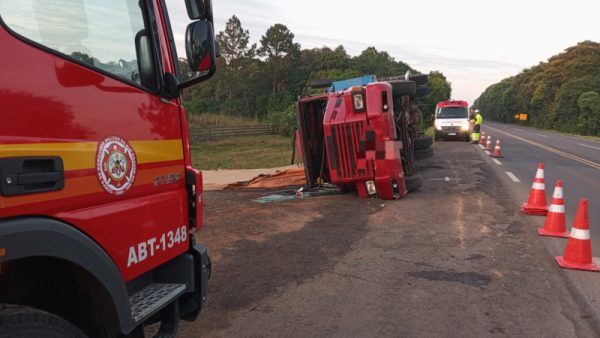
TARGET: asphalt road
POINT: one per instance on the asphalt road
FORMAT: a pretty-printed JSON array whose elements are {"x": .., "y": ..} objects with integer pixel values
[
  {"x": 454, "y": 259},
  {"x": 574, "y": 160}
]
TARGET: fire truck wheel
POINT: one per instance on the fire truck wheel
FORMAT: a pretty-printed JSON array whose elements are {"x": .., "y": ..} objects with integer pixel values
[
  {"x": 423, "y": 142},
  {"x": 403, "y": 87},
  {"x": 413, "y": 182},
  {"x": 422, "y": 154},
  {"x": 421, "y": 91},
  {"x": 419, "y": 79},
  {"x": 25, "y": 322}
]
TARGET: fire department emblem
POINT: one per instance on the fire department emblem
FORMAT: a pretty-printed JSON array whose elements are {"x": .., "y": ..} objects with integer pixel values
[{"x": 116, "y": 165}]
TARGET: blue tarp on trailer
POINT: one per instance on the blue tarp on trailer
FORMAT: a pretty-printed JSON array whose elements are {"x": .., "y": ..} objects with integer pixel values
[{"x": 345, "y": 84}]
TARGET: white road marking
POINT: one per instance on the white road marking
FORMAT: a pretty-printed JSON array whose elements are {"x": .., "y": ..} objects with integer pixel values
[
  {"x": 542, "y": 135},
  {"x": 513, "y": 177},
  {"x": 487, "y": 152},
  {"x": 496, "y": 161},
  {"x": 481, "y": 146},
  {"x": 589, "y": 146}
]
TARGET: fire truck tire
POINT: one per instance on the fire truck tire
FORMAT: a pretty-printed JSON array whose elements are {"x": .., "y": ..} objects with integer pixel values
[
  {"x": 25, "y": 322},
  {"x": 403, "y": 87},
  {"x": 413, "y": 182},
  {"x": 419, "y": 79},
  {"x": 423, "y": 142},
  {"x": 421, "y": 91},
  {"x": 422, "y": 154}
]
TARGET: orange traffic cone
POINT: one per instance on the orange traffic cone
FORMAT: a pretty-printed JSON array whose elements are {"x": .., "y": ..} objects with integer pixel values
[
  {"x": 488, "y": 144},
  {"x": 555, "y": 224},
  {"x": 482, "y": 139},
  {"x": 536, "y": 204},
  {"x": 497, "y": 153},
  {"x": 578, "y": 253}
]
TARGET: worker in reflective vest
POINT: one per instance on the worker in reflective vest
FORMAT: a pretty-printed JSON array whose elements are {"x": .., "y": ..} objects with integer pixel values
[{"x": 477, "y": 120}]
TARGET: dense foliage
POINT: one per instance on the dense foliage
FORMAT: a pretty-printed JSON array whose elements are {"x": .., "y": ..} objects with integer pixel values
[
  {"x": 263, "y": 81},
  {"x": 561, "y": 94}
]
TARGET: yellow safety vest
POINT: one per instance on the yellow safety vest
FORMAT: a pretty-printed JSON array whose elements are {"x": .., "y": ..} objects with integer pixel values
[{"x": 478, "y": 119}]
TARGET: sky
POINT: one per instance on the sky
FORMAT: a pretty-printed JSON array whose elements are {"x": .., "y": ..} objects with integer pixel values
[{"x": 474, "y": 43}]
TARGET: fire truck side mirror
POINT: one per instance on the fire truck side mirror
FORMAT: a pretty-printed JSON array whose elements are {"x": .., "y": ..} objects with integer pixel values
[
  {"x": 200, "y": 47},
  {"x": 199, "y": 9}
]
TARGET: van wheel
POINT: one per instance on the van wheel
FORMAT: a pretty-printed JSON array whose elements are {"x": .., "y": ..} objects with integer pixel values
[{"x": 25, "y": 322}]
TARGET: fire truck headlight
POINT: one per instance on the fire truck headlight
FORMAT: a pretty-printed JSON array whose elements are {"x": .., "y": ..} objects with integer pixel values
[
  {"x": 371, "y": 189},
  {"x": 359, "y": 101}
]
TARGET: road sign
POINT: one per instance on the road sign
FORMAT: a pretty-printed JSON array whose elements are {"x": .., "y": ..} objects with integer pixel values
[{"x": 521, "y": 117}]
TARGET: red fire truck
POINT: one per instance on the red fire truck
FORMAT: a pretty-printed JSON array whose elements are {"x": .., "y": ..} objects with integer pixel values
[
  {"x": 364, "y": 137},
  {"x": 99, "y": 203}
]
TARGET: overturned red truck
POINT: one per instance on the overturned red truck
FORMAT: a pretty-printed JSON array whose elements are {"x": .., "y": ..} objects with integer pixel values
[{"x": 364, "y": 134}]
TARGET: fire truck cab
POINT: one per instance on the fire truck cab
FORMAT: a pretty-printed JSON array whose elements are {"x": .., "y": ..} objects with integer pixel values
[{"x": 99, "y": 203}]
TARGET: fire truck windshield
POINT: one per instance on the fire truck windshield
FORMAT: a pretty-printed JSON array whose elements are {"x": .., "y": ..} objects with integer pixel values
[{"x": 100, "y": 34}]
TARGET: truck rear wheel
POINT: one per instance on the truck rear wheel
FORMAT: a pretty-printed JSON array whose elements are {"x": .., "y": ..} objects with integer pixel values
[
  {"x": 413, "y": 182},
  {"x": 403, "y": 87},
  {"x": 419, "y": 79},
  {"x": 422, "y": 154},
  {"x": 423, "y": 142},
  {"x": 421, "y": 91},
  {"x": 25, "y": 322}
]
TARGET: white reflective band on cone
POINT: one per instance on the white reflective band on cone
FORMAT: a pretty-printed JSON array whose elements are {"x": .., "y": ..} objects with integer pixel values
[
  {"x": 558, "y": 193},
  {"x": 580, "y": 234},
  {"x": 538, "y": 186},
  {"x": 556, "y": 208},
  {"x": 539, "y": 173}
]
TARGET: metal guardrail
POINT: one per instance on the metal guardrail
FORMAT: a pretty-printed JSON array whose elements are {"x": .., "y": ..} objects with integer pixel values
[{"x": 199, "y": 134}]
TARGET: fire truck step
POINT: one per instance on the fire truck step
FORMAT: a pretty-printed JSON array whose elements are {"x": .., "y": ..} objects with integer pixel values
[{"x": 152, "y": 298}]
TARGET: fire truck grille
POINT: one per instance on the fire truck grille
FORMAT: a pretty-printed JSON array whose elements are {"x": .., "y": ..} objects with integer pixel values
[{"x": 346, "y": 148}]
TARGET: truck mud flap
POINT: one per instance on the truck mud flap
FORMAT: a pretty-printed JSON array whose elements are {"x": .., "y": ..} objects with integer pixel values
[{"x": 192, "y": 304}]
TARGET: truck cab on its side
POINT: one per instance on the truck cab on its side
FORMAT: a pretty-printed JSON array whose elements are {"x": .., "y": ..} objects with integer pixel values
[
  {"x": 361, "y": 137},
  {"x": 451, "y": 120},
  {"x": 99, "y": 203}
]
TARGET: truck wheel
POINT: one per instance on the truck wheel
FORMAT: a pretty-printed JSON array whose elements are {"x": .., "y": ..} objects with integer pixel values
[
  {"x": 413, "y": 182},
  {"x": 25, "y": 322},
  {"x": 403, "y": 87},
  {"x": 421, "y": 91},
  {"x": 419, "y": 79},
  {"x": 423, "y": 142},
  {"x": 422, "y": 154}
]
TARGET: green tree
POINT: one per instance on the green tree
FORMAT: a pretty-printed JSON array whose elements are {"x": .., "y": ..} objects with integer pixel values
[
  {"x": 278, "y": 46},
  {"x": 372, "y": 61},
  {"x": 440, "y": 89},
  {"x": 589, "y": 113}
]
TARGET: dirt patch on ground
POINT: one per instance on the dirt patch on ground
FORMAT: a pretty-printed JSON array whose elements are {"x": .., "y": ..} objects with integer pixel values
[{"x": 258, "y": 248}]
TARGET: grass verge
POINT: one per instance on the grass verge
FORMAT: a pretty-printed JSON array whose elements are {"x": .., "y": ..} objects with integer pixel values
[{"x": 244, "y": 152}]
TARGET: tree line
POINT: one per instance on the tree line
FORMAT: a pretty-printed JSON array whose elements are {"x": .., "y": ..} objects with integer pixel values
[
  {"x": 561, "y": 94},
  {"x": 263, "y": 80}
]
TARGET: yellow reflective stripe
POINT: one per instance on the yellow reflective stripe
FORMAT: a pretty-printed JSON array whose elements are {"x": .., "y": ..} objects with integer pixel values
[
  {"x": 157, "y": 151},
  {"x": 82, "y": 155}
]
